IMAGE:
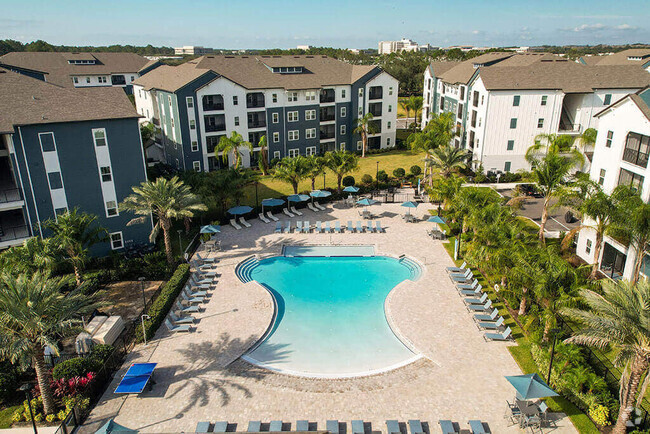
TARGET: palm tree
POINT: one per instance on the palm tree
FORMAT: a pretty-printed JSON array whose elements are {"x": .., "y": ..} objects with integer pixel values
[
  {"x": 448, "y": 159},
  {"x": 34, "y": 255},
  {"x": 416, "y": 105},
  {"x": 633, "y": 221},
  {"x": 232, "y": 146},
  {"x": 315, "y": 168},
  {"x": 75, "y": 232},
  {"x": 444, "y": 189},
  {"x": 36, "y": 313},
  {"x": 405, "y": 103},
  {"x": 291, "y": 170},
  {"x": 341, "y": 163},
  {"x": 264, "y": 157},
  {"x": 559, "y": 144},
  {"x": 166, "y": 200},
  {"x": 439, "y": 132},
  {"x": 618, "y": 319},
  {"x": 363, "y": 128}
]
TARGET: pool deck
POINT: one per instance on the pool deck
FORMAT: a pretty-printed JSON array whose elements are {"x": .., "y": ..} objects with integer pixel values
[{"x": 201, "y": 377}]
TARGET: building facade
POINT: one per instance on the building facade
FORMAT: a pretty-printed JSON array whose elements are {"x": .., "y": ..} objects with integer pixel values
[
  {"x": 388, "y": 47},
  {"x": 305, "y": 105},
  {"x": 62, "y": 149},
  {"x": 192, "y": 50}
]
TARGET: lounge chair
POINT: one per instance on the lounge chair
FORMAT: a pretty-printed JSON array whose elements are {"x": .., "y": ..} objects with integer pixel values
[
  {"x": 499, "y": 336},
  {"x": 318, "y": 227},
  {"x": 220, "y": 427},
  {"x": 392, "y": 426},
  {"x": 463, "y": 274},
  {"x": 202, "y": 284},
  {"x": 254, "y": 426},
  {"x": 299, "y": 226},
  {"x": 200, "y": 258},
  {"x": 208, "y": 275},
  {"x": 287, "y": 228},
  {"x": 278, "y": 227},
  {"x": 191, "y": 293},
  {"x": 460, "y": 269},
  {"x": 480, "y": 307},
  {"x": 337, "y": 227},
  {"x": 415, "y": 426},
  {"x": 306, "y": 226},
  {"x": 379, "y": 228},
  {"x": 234, "y": 224},
  {"x": 477, "y": 427},
  {"x": 180, "y": 319},
  {"x": 319, "y": 206},
  {"x": 447, "y": 427},
  {"x": 287, "y": 212},
  {"x": 295, "y": 211},
  {"x": 369, "y": 227},
  {"x": 275, "y": 426},
  {"x": 186, "y": 309},
  {"x": 357, "y": 427},
  {"x": 176, "y": 328},
  {"x": 332, "y": 426},
  {"x": 202, "y": 427},
  {"x": 490, "y": 325},
  {"x": 191, "y": 300},
  {"x": 264, "y": 219},
  {"x": 359, "y": 227},
  {"x": 271, "y": 216},
  {"x": 350, "y": 228},
  {"x": 485, "y": 317},
  {"x": 243, "y": 221},
  {"x": 328, "y": 229},
  {"x": 472, "y": 292},
  {"x": 463, "y": 279},
  {"x": 302, "y": 425},
  {"x": 467, "y": 285},
  {"x": 481, "y": 300},
  {"x": 312, "y": 207}
]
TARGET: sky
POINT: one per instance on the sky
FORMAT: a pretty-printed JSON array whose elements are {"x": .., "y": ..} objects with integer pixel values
[{"x": 240, "y": 24}]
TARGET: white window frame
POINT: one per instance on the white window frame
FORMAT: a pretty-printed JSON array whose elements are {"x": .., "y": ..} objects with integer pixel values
[
  {"x": 310, "y": 95},
  {"x": 293, "y": 116},
  {"x": 110, "y": 238},
  {"x": 276, "y": 154},
  {"x": 236, "y": 121},
  {"x": 360, "y": 111},
  {"x": 342, "y": 93},
  {"x": 275, "y": 118},
  {"x": 276, "y": 138},
  {"x": 76, "y": 80},
  {"x": 189, "y": 101},
  {"x": 195, "y": 146},
  {"x": 274, "y": 98},
  {"x": 192, "y": 124},
  {"x": 109, "y": 173},
  {"x": 235, "y": 100},
  {"x": 107, "y": 208},
  {"x": 588, "y": 245},
  {"x": 310, "y": 150},
  {"x": 295, "y": 152},
  {"x": 359, "y": 145},
  {"x": 540, "y": 123},
  {"x": 310, "y": 115},
  {"x": 292, "y": 96},
  {"x": 388, "y": 125},
  {"x": 344, "y": 112},
  {"x": 360, "y": 92},
  {"x": 196, "y": 165},
  {"x": 87, "y": 80},
  {"x": 544, "y": 100},
  {"x": 293, "y": 135},
  {"x": 390, "y": 90},
  {"x": 97, "y": 130},
  {"x": 343, "y": 130},
  {"x": 390, "y": 108},
  {"x": 342, "y": 146},
  {"x": 310, "y": 133}
]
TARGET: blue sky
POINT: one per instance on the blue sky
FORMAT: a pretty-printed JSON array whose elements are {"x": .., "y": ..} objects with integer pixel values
[{"x": 346, "y": 24}]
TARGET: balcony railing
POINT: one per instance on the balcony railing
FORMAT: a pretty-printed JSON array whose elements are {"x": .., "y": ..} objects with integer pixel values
[
  {"x": 327, "y": 96},
  {"x": 10, "y": 195},
  {"x": 568, "y": 127},
  {"x": 257, "y": 123},
  {"x": 217, "y": 127},
  {"x": 13, "y": 233},
  {"x": 375, "y": 109},
  {"x": 327, "y": 115},
  {"x": 213, "y": 106},
  {"x": 327, "y": 134},
  {"x": 254, "y": 100},
  {"x": 635, "y": 157}
]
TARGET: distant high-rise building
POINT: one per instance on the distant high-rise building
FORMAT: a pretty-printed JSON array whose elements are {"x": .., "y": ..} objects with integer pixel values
[
  {"x": 193, "y": 50},
  {"x": 303, "y": 47},
  {"x": 387, "y": 47}
]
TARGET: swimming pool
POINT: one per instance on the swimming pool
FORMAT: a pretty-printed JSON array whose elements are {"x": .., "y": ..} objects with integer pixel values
[{"x": 330, "y": 319}]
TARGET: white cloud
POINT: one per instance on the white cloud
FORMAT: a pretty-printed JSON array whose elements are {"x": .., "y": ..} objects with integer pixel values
[
  {"x": 598, "y": 28},
  {"x": 476, "y": 32},
  {"x": 625, "y": 27},
  {"x": 590, "y": 28}
]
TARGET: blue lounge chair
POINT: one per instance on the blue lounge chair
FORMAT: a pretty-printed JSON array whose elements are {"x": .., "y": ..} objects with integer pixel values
[
  {"x": 298, "y": 226},
  {"x": 359, "y": 227},
  {"x": 357, "y": 425},
  {"x": 481, "y": 300},
  {"x": 466, "y": 275},
  {"x": 350, "y": 228},
  {"x": 415, "y": 426},
  {"x": 176, "y": 328},
  {"x": 254, "y": 426},
  {"x": 467, "y": 285},
  {"x": 477, "y": 427},
  {"x": 186, "y": 309},
  {"x": 180, "y": 319},
  {"x": 306, "y": 226},
  {"x": 460, "y": 269},
  {"x": 318, "y": 228},
  {"x": 499, "y": 336},
  {"x": 302, "y": 425},
  {"x": 369, "y": 227},
  {"x": 202, "y": 427},
  {"x": 191, "y": 293},
  {"x": 337, "y": 227},
  {"x": 392, "y": 426},
  {"x": 287, "y": 228},
  {"x": 278, "y": 227},
  {"x": 483, "y": 317},
  {"x": 328, "y": 229},
  {"x": 480, "y": 307},
  {"x": 476, "y": 291},
  {"x": 379, "y": 228},
  {"x": 275, "y": 426},
  {"x": 333, "y": 426},
  {"x": 447, "y": 427},
  {"x": 220, "y": 427},
  {"x": 492, "y": 325}
]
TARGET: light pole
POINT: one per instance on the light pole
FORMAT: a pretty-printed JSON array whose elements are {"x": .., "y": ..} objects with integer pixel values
[
  {"x": 144, "y": 299},
  {"x": 256, "y": 184},
  {"x": 180, "y": 243},
  {"x": 550, "y": 364},
  {"x": 377, "y": 175},
  {"x": 26, "y": 387},
  {"x": 323, "y": 180},
  {"x": 144, "y": 331}
]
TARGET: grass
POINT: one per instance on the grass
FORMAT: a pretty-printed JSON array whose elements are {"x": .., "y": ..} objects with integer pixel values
[{"x": 6, "y": 414}]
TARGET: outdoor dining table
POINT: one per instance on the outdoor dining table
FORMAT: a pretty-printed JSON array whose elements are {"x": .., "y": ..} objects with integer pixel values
[{"x": 529, "y": 412}]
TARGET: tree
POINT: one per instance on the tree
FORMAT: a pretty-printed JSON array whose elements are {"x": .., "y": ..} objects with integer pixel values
[
  {"x": 166, "y": 199},
  {"x": 618, "y": 320},
  {"x": 36, "y": 254},
  {"x": 363, "y": 128},
  {"x": 633, "y": 221},
  {"x": 415, "y": 102},
  {"x": 218, "y": 189},
  {"x": 445, "y": 189},
  {"x": 558, "y": 144},
  {"x": 315, "y": 168},
  {"x": 264, "y": 156},
  {"x": 448, "y": 159},
  {"x": 75, "y": 232},
  {"x": 232, "y": 145},
  {"x": 439, "y": 132},
  {"x": 405, "y": 103},
  {"x": 291, "y": 170},
  {"x": 147, "y": 131},
  {"x": 341, "y": 163},
  {"x": 35, "y": 314}
]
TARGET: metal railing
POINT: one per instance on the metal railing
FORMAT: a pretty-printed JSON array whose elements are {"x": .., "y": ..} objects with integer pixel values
[
  {"x": 10, "y": 195},
  {"x": 14, "y": 233}
]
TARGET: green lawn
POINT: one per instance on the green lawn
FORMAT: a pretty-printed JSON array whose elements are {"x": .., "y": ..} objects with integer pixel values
[{"x": 6, "y": 414}]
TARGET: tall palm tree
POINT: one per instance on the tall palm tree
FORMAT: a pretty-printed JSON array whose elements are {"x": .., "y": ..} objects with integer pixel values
[
  {"x": 232, "y": 145},
  {"x": 618, "y": 319},
  {"x": 75, "y": 232},
  {"x": 341, "y": 163},
  {"x": 166, "y": 199},
  {"x": 416, "y": 105},
  {"x": 559, "y": 144},
  {"x": 405, "y": 103},
  {"x": 34, "y": 255},
  {"x": 264, "y": 156},
  {"x": 364, "y": 126},
  {"x": 315, "y": 168},
  {"x": 448, "y": 159},
  {"x": 634, "y": 222},
  {"x": 35, "y": 313},
  {"x": 291, "y": 170}
]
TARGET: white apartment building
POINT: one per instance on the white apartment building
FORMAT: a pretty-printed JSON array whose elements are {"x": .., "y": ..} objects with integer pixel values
[
  {"x": 634, "y": 56},
  {"x": 192, "y": 50},
  {"x": 388, "y": 47},
  {"x": 620, "y": 157}
]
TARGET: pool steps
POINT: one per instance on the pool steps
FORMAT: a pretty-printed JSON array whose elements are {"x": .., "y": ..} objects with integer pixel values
[
  {"x": 415, "y": 270},
  {"x": 245, "y": 268}
]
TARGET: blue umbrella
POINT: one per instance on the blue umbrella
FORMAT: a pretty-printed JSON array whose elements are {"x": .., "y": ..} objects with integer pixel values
[
  {"x": 112, "y": 426},
  {"x": 238, "y": 210},
  {"x": 271, "y": 202},
  {"x": 351, "y": 189},
  {"x": 297, "y": 198},
  {"x": 408, "y": 204},
  {"x": 530, "y": 386},
  {"x": 366, "y": 202},
  {"x": 210, "y": 229},
  {"x": 436, "y": 219},
  {"x": 320, "y": 193}
]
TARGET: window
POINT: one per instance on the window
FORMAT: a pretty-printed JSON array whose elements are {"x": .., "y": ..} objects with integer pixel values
[
  {"x": 506, "y": 167},
  {"x": 311, "y": 150},
  {"x": 359, "y": 145},
  {"x": 192, "y": 124},
  {"x": 276, "y": 137},
  {"x": 482, "y": 99},
  {"x": 178, "y": 163},
  {"x": 515, "y": 100},
  {"x": 47, "y": 142},
  {"x": 342, "y": 93},
  {"x": 105, "y": 172},
  {"x": 60, "y": 211},
  {"x": 99, "y": 135},
  {"x": 388, "y": 125},
  {"x": 276, "y": 154},
  {"x": 310, "y": 133},
  {"x": 342, "y": 130},
  {"x": 197, "y": 166},
  {"x": 390, "y": 108},
  {"x": 235, "y": 100},
  {"x": 588, "y": 247},
  {"x": 116, "y": 240},
  {"x": 101, "y": 79},
  {"x": 390, "y": 90},
  {"x": 236, "y": 121},
  {"x": 111, "y": 208},
  {"x": 610, "y": 137},
  {"x": 76, "y": 80},
  {"x": 540, "y": 123},
  {"x": 608, "y": 99},
  {"x": 360, "y": 111},
  {"x": 513, "y": 123},
  {"x": 310, "y": 95},
  {"x": 344, "y": 112},
  {"x": 87, "y": 79},
  {"x": 310, "y": 115},
  {"x": 132, "y": 78},
  {"x": 342, "y": 146},
  {"x": 294, "y": 152},
  {"x": 195, "y": 146},
  {"x": 274, "y": 97},
  {"x": 169, "y": 99},
  {"x": 292, "y": 96},
  {"x": 293, "y": 135},
  {"x": 361, "y": 93},
  {"x": 511, "y": 145},
  {"x": 387, "y": 141},
  {"x": 190, "y": 102},
  {"x": 292, "y": 116},
  {"x": 637, "y": 149},
  {"x": 54, "y": 178},
  {"x": 275, "y": 118},
  {"x": 544, "y": 99},
  {"x": 601, "y": 178},
  {"x": 630, "y": 179}
]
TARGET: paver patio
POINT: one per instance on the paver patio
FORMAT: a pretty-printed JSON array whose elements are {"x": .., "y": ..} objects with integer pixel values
[{"x": 200, "y": 376}]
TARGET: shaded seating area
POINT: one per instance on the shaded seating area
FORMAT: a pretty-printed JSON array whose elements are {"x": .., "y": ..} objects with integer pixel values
[{"x": 527, "y": 410}]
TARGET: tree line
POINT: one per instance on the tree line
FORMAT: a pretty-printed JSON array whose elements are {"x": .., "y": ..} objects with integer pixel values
[{"x": 10, "y": 45}]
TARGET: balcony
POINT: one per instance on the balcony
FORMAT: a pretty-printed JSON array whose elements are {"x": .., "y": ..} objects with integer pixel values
[
  {"x": 376, "y": 92},
  {"x": 212, "y": 103},
  {"x": 254, "y": 100},
  {"x": 118, "y": 80},
  {"x": 327, "y": 95},
  {"x": 257, "y": 120},
  {"x": 327, "y": 132},
  {"x": 327, "y": 114},
  {"x": 212, "y": 142},
  {"x": 637, "y": 148},
  {"x": 215, "y": 123},
  {"x": 374, "y": 127},
  {"x": 13, "y": 230},
  {"x": 375, "y": 109},
  {"x": 569, "y": 128},
  {"x": 635, "y": 157}
]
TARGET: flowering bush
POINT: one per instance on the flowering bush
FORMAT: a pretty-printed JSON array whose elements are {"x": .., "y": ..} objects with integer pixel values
[
  {"x": 73, "y": 386},
  {"x": 599, "y": 414}
]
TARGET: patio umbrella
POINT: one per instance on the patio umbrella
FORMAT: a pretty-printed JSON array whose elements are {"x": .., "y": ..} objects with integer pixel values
[
  {"x": 297, "y": 198},
  {"x": 112, "y": 426},
  {"x": 530, "y": 386},
  {"x": 351, "y": 189},
  {"x": 366, "y": 202},
  {"x": 271, "y": 202},
  {"x": 409, "y": 204},
  {"x": 319, "y": 193},
  {"x": 238, "y": 210},
  {"x": 437, "y": 220},
  {"x": 210, "y": 229}
]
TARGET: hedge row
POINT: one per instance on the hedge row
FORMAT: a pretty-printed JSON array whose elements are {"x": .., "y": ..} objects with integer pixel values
[{"x": 161, "y": 306}]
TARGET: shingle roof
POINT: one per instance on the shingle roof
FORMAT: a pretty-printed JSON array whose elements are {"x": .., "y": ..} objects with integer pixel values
[
  {"x": 621, "y": 58},
  {"x": 59, "y": 70},
  {"x": 28, "y": 101},
  {"x": 440, "y": 67},
  {"x": 640, "y": 98},
  {"x": 253, "y": 72},
  {"x": 464, "y": 71}
]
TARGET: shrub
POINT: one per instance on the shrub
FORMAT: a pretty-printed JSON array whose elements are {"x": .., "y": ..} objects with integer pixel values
[
  {"x": 50, "y": 418},
  {"x": 599, "y": 414},
  {"x": 382, "y": 176},
  {"x": 348, "y": 181},
  {"x": 415, "y": 170},
  {"x": 399, "y": 173},
  {"x": 160, "y": 307},
  {"x": 61, "y": 415},
  {"x": 366, "y": 179},
  {"x": 101, "y": 352},
  {"x": 8, "y": 381},
  {"x": 76, "y": 367}
]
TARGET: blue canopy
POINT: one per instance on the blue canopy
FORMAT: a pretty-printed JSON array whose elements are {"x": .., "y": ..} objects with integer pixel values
[
  {"x": 112, "y": 426},
  {"x": 436, "y": 219},
  {"x": 210, "y": 229},
  {"x": 272, "y": 202},
  {"x": 351, "y": 189},
  {"x": 409, "y": 204},
  {"x": 366, "y": 202},
  {"x": 242, "y": 209},
  {"x": 320, "y": 193},
  {"x": 297, "y": 198},
  {"x": 530, "y": 386}
]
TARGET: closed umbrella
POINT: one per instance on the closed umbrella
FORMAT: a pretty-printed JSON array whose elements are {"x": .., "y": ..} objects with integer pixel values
[
  {"x": 271, "y": 202},
  {"x": 530, "y": 386},
  {"x": 239, "y": 210},
  {"x": 408, "y": 205},
  {"x": 210, "y": 229}
]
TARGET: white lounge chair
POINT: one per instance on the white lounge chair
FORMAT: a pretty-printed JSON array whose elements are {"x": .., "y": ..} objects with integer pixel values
[
  {"x": 312, "y": 207},
  {"x": 318, "y": 227},
  {"x": 319, "y": 206},
  {"x": 287, "y": 212},
  {"x": 180, "y": 319},
  {"x": 278, "y": 227},
  {"x": 243, "y": 221},
  {"x": 295, "y": 211},
  {"x": 460, "y": 269},
  {"x": 328, "y": 228},
  {"x": 177, "y": 328},
  {"x": 299, "y": 226},
  {"x": 272, "y": 217},
  {"x": 499, "y": 336},
  {"x": 191, "y": 300},
  {"x": 264, "y": 219},
  {"x": 234, "y": 224},
  {"x": 492, "y": 325},
  {"x": 200, "y": 258}
]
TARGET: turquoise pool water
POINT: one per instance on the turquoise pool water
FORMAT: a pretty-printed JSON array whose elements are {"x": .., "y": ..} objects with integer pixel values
[{"x": 330, "y": 318}]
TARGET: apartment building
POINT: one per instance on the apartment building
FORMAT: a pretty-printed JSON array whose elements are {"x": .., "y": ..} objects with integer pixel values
[
  {"x": 193, "y": 50},
  {"x": 621, "y": 157},
  {"x": 80, "y": 70},
  {"x": 63, "y": 148},
  {"x": 304, "y": 105},
  {"x": 502, "y": 101},
  {"x": 634, "y": 56},
  {"x": 388, "y": 47}
]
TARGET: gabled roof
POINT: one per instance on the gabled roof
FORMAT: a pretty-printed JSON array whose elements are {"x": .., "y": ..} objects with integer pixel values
[
  {"x": 463, "y": 71},
  {"x": 640, "y": 98},
  {"x": 438, "y": 68},
  {"x": 60, "y": 71},
  {"x": 171, "y": 78},
  {"x": 633, "y": 56},
  {"x": 28, "y": 101}
]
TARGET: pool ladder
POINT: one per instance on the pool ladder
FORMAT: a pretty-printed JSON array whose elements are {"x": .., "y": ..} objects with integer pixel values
[{"x": 245, "y": 268}]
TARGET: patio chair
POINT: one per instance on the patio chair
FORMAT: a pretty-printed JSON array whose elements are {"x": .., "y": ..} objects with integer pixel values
[
  {"x": 378, "y": 226},
  {"x": 544, "y": 413},
  {"x": 478, "y": 291},
  {"x": 180, "y": 319},
  {"x": 319, "y": 206},
  {"x": 202, "y": 427},
  {"x": 492, "y": 325},
  {"x": 287, "y": 228},
  {"x": 415, "y": 426},
  {"x": 191, "y": 293},
  {"x": 312, "y": 207},
  {"x": 477, "y": 427},
  {"x": 302, "y": 425},
  {"x": 220, "y": 427},
  {"x": 350, "y": 228},
  {"x": 460, "y": 269},
  {"x": 318, "y": 227},
  {"x": 299, "y": 226},
  {"x": 369, "y": 227},
  {"x": 463, "y": 279},
  {"x": 191, "y": 300},
  {"x": 202, "y": 283},
  {"x": 467, "y": 285},
  {"x": 328, "y": 229},
  {"x": 447, "y": 427},
  {"x": 332, "y": 426},
  {"x": 186, "y": 309},
  {"x": 234, "y": 224},
  {"x": 264, "y": 219},
  {"x": 306, "y": 226},
  {"x": 275, "y": 426},
  {"x": 200, "y": 258},
  {"x": 243, "y": 221},
  {"x": 392, "y": 427},
  {"x": 480, "y": 307},
  {"x": 278, "y": 227},
  {"x": 295, "y": 211},
  {"x": 207, "y": 274},
  {"x": 254, "y": 426},
  {"x": 481, "y": 300},
  {"x": 270, "y": 215},
  {"x": 359, "y": 227},
  {"x": 287, "y": 212},
  {"x": 463, "y": 274},
  {"x": 176, "y": 328},
  {"x": 485, "y": 317},
  {"x": 337, "y": 227},
  {"x": 507, "y": 333},
  {"x": 358, "y": 427}
]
